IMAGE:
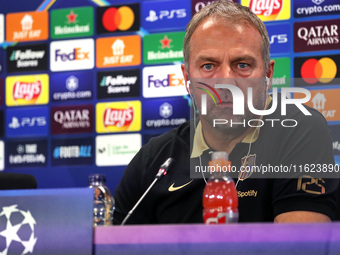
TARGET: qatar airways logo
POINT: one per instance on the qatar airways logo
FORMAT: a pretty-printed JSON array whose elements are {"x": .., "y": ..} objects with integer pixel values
[
  {"x": 266, "y": 7},
  {"x": 238, "y": 103},
  {"x": 118, "y": 117},
  {"x": 26, "y": 90}
]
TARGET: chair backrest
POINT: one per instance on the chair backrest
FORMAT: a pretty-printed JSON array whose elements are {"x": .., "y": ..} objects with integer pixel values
[{"x": 17, "y": 181}]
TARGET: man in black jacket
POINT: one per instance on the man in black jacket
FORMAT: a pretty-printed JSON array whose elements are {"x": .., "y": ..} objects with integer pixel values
[{"x": 227, "y": 41}]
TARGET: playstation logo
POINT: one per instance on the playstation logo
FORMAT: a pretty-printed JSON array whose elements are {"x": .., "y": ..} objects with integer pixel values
[
  {"x": 15, "y": 123},
  {"x": 152, "y": 16}
]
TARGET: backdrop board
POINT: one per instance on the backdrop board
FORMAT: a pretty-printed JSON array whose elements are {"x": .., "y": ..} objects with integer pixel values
[{"x": 85, "y": 83}]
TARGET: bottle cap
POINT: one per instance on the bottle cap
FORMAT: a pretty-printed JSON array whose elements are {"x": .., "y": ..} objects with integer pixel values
[
  {"x": 219, "y": 162},
  {"x": 97, "y": 178},
  {"x": 219, "y": 155}
]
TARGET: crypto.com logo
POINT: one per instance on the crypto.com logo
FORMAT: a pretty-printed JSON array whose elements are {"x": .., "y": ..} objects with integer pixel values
[{"x": 238, "y": 104}]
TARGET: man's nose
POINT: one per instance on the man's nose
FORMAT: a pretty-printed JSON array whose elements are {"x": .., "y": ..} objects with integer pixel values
[{"x": 226, "y": 71}]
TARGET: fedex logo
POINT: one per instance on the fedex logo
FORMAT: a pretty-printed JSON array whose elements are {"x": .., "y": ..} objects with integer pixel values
[
  {"x": 163, "y": 81},
  {"x": 169, "y": 81},
  {"x": 65, "y": 53},
  {"x": 76, "y": 54}
]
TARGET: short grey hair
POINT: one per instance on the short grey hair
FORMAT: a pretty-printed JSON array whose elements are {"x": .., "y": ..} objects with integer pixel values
[{"x": 233, "y": 13}]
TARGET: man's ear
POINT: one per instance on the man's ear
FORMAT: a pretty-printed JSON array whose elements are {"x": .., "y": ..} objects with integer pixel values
[
  {"x": 270, "y": 72},
  {"x": 186, "y": 77}
]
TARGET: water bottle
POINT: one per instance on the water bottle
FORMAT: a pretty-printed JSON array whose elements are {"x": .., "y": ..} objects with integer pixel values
[
  {"x": 103, "y": 203},
  {"x": 220, "y": 201}
]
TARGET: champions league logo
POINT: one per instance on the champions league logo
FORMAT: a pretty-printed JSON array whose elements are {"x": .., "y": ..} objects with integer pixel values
[{"x": 16, "y": 231}]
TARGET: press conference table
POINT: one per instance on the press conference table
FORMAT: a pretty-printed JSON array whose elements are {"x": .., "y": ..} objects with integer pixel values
[{"x": 240, "y": 239}]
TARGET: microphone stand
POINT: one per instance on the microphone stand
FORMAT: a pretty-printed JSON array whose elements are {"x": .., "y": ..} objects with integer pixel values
[{"x": 163, "y": 170}]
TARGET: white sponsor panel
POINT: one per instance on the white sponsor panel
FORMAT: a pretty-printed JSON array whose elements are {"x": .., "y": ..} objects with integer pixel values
[
  {"x": 163, "y": 81},
  {"x": 117, "y": 150},
  {"x": 2, "y": 28},
  {"x": 2, "y": 155},
  {"x": 72, "y": 55}
]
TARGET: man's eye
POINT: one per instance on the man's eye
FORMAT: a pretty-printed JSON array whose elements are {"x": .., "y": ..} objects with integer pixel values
[
  {"x": 208, "y": 66},
  {"x": 243, "y": 65}
]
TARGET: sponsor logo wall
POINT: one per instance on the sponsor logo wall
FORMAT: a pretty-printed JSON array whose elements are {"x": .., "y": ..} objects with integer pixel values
[{"x": 82, "y": 82}]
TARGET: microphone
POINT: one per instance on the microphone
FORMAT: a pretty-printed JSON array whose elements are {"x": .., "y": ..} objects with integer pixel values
[{"x": 163, "y": 170}]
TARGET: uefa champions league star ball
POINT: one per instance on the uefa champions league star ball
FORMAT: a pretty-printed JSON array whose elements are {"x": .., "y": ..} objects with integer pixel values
[{"x": 16, "y": 231}]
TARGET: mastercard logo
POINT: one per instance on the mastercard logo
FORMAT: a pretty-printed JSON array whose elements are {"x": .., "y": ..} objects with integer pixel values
[
  {"x": 323, "y": 70},
  {"x": 121, "y": 18}
]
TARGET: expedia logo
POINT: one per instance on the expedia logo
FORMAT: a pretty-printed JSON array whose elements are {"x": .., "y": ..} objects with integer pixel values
[
  {"x": 118, "y": 117},
  {"x": 27, "y": 91},
  {"x": 320, "y": 35}
]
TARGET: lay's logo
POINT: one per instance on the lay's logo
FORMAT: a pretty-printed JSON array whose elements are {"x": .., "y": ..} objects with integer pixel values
[
  {"x": 269, "y": 10},
  {"x": 27, "y": 90},
  {"x": 118, "y": 117}
]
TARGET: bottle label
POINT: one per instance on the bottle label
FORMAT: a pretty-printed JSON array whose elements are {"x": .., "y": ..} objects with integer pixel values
[{"x": 214, "y": 217}]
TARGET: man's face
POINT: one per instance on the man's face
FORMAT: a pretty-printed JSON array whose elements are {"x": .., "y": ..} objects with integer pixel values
[{"x": 232, "y": 52}]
